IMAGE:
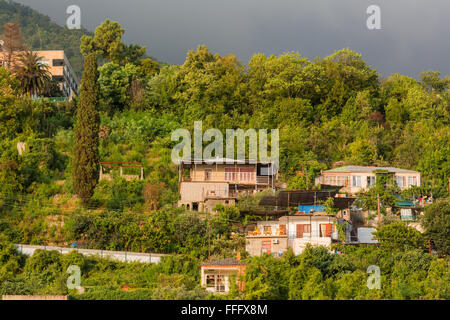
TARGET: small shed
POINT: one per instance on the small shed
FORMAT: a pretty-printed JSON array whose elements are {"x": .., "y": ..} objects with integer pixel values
[{"x": 216, "y": 275}]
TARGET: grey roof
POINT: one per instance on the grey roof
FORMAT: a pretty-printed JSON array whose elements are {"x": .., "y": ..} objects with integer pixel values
[
  {"x": 369, "y": 169},
  {"x": 224, "y": 262},
  {"x": 365, "y": 235}
]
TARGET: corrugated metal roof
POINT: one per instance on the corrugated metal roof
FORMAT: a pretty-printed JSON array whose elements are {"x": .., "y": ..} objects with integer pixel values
[
  {"x": 304, "y": 197},
  {"x": 369, "y": 169}
]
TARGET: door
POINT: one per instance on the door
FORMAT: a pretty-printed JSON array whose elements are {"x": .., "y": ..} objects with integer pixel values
[
  {"x": 208, "y": 174},
  {"x": 266, "y": 246},
  {"x": 300, "y": 230}
]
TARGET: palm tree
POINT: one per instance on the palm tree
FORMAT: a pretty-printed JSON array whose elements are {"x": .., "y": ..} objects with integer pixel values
[{"x": 34, "y": 76}]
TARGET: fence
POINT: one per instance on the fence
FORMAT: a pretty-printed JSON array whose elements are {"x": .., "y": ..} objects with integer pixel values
[{"x": 122, "y": 256}]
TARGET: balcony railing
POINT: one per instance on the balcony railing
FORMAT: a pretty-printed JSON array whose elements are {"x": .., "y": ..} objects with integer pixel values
[{"x": 263, "y": 180}]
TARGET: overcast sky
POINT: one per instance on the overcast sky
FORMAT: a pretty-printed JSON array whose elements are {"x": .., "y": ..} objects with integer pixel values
[{"x": 415, "y": 34}]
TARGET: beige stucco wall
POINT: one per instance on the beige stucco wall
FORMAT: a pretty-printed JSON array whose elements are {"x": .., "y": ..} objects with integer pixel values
[
  {"x": 253, "y": 244},
  {"x": 19, "y": 297},
  {"x": 195, "y": 191},
  {"x": 299, "y": 244}
]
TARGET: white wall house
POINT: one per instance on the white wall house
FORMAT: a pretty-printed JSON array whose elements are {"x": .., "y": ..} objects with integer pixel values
[{"x": 316, "y": 229}]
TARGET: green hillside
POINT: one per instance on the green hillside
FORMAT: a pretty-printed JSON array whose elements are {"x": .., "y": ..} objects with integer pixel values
[{"x": 40, "y": 33}]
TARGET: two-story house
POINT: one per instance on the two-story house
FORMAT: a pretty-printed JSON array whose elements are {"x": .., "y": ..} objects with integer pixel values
[
  {"x": 205, "y": 183},
  {"x": 295, "y": 231}
]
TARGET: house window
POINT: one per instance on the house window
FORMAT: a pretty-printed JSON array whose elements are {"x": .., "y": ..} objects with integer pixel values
[
  {"x": 330, "y": 180},
  {"x": 208, "y": 174},
  {"x": 220, "y": 283},
  {"x": 282, "y": 229},
  {"x": 399, "y": 181},
  {"x": 342, "y": 181},
  {"x": 266, "y": 246},
  {"x": 370, "y": 181},
  {"x": 43, "y": 63},
  {"x": 58, "y": 78},
  {"x": 210, "y": 281},
  {"x": 215, "y": 281},
  {"x": 58, "y": 62},
  {"x": 325, "y": 230},
  {"x": 412, "y": 181},
  {"x": 356, "y": 181},
  {"x": 267, "y": 230}
]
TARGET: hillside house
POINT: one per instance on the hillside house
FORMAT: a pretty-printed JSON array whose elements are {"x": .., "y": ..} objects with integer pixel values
[
  {"x": 353, "y": 179},
  {"x": 295, "y": 231},
  {"x": 216, "y": 276},
  {"x": 205, "y": 183}
]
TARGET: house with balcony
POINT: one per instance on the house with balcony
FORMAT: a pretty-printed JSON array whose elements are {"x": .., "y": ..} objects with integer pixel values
[
  {"x": 353, "y": 179},
  {"x": 205, "y": 183}
]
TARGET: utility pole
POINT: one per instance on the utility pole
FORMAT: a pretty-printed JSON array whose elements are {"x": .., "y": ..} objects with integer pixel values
[
  {"x": 378, "y": 206},
  {"x": 307, "y": 180},
  {"x": 209, "y": 239}
]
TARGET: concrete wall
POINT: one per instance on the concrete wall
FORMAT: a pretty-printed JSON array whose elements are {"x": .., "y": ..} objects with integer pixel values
[
  {"x": 299, "y": 244},
  {"x": 254, "y": 245},
  {"x": 198, "y": 191},
  {"x": 122, "y": 256},
  {"x": 19, "y": 297},
  {"x": 211, "y": 203}
]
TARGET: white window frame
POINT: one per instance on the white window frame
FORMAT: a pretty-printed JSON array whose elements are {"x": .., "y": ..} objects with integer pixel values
[{"x": 356, "y": 181}]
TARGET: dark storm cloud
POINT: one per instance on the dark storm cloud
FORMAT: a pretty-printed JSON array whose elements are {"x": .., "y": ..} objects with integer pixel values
[{"x": 414, "y": 35}]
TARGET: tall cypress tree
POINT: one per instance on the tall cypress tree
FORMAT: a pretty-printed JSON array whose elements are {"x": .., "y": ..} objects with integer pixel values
[{"x": 85, "y": 168}]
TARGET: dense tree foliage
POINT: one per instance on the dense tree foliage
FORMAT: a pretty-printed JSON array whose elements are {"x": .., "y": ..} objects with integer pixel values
[
  {"x": 86, "y": 155},
  {"x": 40, "y": 33},
  {"x": 335, "y": 108},
  {"x": 437, "y": 225}
]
